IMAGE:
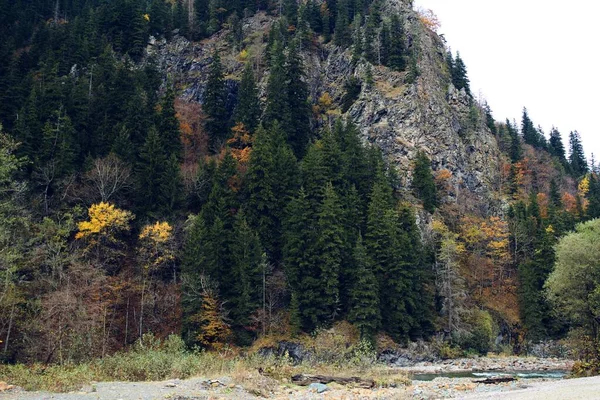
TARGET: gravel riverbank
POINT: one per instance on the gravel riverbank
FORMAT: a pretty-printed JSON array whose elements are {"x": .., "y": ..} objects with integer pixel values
[{"x": 438, "y": 388}]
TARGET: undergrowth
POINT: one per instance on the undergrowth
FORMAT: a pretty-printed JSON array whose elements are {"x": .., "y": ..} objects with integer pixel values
[{"x": 335, "y": 352}]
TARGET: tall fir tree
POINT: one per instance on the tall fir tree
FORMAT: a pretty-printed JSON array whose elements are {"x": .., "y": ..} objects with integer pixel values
[
  {"x": 423, "y": 183},
  {"x": 248, "y": 110},
  {"x": 213, "y": 105},
  {"x": 364, "y": 295},
  {"x": 459, "y": 75},
  {"x": 297, "y": 96},
  {"x": 577, "y": 159}
]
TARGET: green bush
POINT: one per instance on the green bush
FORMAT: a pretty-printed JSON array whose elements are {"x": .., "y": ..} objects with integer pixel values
[{"x": 481, "y": 336}]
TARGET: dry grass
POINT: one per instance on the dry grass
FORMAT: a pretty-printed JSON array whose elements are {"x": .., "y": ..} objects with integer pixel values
[{"x": 335, "y": 352}]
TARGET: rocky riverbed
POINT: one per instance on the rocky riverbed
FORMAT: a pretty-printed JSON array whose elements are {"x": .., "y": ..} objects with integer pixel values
[{"x": 264, "y": 387}]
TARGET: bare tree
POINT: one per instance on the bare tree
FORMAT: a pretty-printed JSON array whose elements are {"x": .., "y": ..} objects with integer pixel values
[{"x": 109, "y": 175}]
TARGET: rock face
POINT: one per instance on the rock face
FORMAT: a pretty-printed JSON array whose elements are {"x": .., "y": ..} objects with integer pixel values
[{"x": 401, "y": 118}]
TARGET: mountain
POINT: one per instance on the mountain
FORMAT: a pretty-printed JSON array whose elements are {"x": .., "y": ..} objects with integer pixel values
[{"x": 228, "y": 170}]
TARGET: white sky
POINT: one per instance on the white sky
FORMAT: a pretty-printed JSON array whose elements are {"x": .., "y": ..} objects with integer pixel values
[{"x": 539, "y": 54}]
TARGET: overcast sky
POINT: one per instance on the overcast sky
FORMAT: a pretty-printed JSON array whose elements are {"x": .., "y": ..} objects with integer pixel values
[{"x": 539, "y": 54}]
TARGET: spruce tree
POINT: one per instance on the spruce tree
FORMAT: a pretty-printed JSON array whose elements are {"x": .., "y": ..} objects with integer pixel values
[
  {"x": 364, "y": 294},
  {"x": 556, "y": 146},
  {"x": 248, "y": 110},
  {"x": 423, "y": 183},
  {"x": 149, "y": 172},
  {"x": 277, "y": 104},
  {"x": 247, "y": 276},
  {"x": 530, "y": 134},
  {"x": 396, "y": 58},
  {"x": 168, "y": 125},
  {"x": 577, "y": 159},
  {"x": 328, "y": 258},
  {"x": 298, "y": 106},
  {"x": 459, "y": 75},
  {"x": 214, "y": 105}
]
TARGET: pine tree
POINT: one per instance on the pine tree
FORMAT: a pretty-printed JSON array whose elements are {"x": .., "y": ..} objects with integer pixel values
[
  {"x": 328, "y": 256},
  {"x": 530, "y": 134},
  {"x": 515, "y": 142},
  {"x": 277, "y": 105},
  {"x": 423, "y": 183},
  {"x": 459, "y": 75},
  {"x": 298, "y": 106},
  {"x": 170, "y": 186},
  {"x": 396, "y": 57},
  {"x": 556, "y": 146},
  {"x": 577, "y": 159},
  {"x": 369, "y": 42},
  {"x": 168, "y": 125},
  {"x": 214, "y": 105},
  {"x": 535, "y": 311},
  {"x": 248, "y": 110},
  {"x": 246, "y": 271},
  {"x": 364, "y": 294},
  {"x": 150, "y": 170},
  {"x": 342, "y": 36}
]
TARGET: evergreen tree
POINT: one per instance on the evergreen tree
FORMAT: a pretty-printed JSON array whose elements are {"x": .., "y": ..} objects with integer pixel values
[
  {"x": 271, "y": 181},
  {"x": 277, "y": 105},
  {"x": 298, "y": 106},
  {"x": 515, "y": 142},
  {"x": 328, "y": 258},
  {"x": 369, "y": 42},
  {"x": 342, "y": 35},
  {"x": 556, "y": 147},
  {"x": 535, "y": 311},
  {"x": 530, "y": 134},
  {"x": 459, "y": 75},
  {"x": 396, "y": 59},
  {"x": 150, "y": 170},
  {"x": 364, "y": 294},
  {"x": 168, "y": 125},
  {"x": 248, "y": 110},
  {"x": 245, "y": 296},
  {"x": 577, "y": 159},
  {"x": 423, "y": 183},
  {"x": 214, "y": 105}
]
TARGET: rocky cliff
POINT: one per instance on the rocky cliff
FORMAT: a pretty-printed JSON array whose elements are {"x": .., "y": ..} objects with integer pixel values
[{"x": 401, "y": 118}]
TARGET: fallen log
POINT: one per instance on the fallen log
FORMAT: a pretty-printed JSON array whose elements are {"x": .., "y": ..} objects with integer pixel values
[
  {"x": 494, "y": 381},
  {"x": 305, "y": 380}
]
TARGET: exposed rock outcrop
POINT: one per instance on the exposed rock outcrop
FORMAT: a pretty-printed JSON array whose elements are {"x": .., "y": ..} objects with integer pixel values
[{"x": 401, "y": 118}]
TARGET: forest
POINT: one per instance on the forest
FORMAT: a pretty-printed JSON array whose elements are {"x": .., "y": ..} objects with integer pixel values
[{"x": 121, "y": 218}]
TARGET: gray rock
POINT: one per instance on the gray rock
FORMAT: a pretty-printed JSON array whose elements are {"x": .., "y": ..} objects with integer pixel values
[{"x": 318, "y": 387}]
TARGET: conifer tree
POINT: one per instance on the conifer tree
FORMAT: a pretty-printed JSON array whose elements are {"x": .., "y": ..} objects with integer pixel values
[
  {"x": 556, "y": 146},
  {"x": 423, "y": 183},
  {"x": 214, "y": 105},
  {"x": 328, "y": 258},
  {"x": 577, "y": 159},
  {"x": 515, "y": 143},
  {"x": 396, "y": 57},
  {"x": 530, "y": 134},
  {"x": 342, "y": 36},
  {"x": 248, "y": 110},
  {"x": 535, "y": 311},
  {"x": 369, "y": 42},
  {"x": 364, "y": 294},
  {"x": 277, "y": 105},
  {"x": 247, "y": 274},
  {"x": 459, "y": 75},
  {"x": 297, "y": 97},
  {"x": 150, "y": 170},
  {"x": 168, "y": 125},
  {"x": 270, "y": 183}
]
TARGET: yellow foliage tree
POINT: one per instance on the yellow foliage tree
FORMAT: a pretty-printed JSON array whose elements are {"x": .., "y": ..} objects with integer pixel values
[
  {"x": 214, "y": 332},
  {"x": 156, "y": 247},
  {"x": 105, "y": 222}
]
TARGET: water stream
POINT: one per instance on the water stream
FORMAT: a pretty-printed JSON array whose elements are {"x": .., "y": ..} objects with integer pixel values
[{"x": 532, "y": 374}]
